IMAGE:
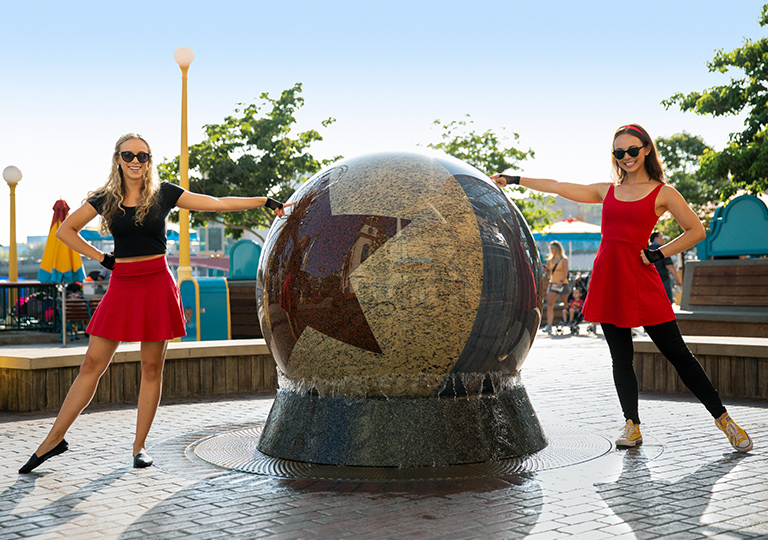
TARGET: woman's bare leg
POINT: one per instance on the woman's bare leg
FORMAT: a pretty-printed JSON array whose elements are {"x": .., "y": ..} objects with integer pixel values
[
  {"x": 551, "y": 299},
  {"x": 97, "y": 358},
  {"x": 152, "y": 361}
]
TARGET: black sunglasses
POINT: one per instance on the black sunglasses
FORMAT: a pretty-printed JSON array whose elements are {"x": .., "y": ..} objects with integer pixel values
[
  {"x": 143, "y": 157},
  {"x": 633, "y": 151}
]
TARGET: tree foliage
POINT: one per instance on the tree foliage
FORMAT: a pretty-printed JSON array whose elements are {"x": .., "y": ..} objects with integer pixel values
[
  {"x": 252, "y": 153},
  {"x": 487, "y": 152},
  {"x": 681, "y": 155},
  {"x": 745, "y": 159}
]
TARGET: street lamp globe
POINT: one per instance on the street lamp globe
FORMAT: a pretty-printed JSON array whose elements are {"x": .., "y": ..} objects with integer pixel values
[
  {"x": 184, "y": 56},
  {"x": 12, "y": 175}
]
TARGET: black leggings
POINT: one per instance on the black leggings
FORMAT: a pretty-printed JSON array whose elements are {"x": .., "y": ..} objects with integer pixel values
[{"x": 667, "y": 338}]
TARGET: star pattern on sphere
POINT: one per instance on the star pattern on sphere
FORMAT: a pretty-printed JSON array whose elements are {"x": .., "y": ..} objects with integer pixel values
[{"x": 314, "y": 256}]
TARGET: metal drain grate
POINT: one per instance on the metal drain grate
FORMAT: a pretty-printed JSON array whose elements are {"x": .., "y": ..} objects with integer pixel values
[{"x": 238, "y": 450}]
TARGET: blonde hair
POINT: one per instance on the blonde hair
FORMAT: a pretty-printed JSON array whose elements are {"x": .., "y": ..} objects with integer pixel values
[
  {"x": 112, "y": 191},
  {"x": 555, "y": 250}
]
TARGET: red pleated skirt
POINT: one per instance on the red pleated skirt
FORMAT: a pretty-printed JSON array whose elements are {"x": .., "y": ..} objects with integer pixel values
[{"x": 142, "y": 303}]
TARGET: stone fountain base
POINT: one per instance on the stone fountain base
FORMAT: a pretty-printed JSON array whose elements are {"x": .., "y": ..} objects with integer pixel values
[{"x": 402, "y": 432}]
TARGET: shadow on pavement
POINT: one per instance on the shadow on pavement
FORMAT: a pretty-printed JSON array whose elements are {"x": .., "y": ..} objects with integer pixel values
[
  {"x": 338, "y": 509},
  {"x": 53, "y": 514},
  {"x": 655, "y": 507}
]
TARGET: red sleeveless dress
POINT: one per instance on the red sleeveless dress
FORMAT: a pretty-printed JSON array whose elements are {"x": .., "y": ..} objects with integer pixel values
[{"x": 622, "y": 290}]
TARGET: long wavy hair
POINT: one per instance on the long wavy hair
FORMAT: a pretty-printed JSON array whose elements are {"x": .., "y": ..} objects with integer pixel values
[
  {"x": 653, "y": 164},
  {"x": 556, "y": 250},
  {"x": 112, "y": 191}
]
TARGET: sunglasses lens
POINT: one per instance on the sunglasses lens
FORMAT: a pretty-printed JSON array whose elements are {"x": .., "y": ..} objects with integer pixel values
[
  {"x": 633, "y": 151},
  {"x": 143, "y": 157}
]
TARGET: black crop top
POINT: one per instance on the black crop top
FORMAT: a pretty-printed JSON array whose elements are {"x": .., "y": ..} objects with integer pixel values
[{"x": 132, "y": 240}]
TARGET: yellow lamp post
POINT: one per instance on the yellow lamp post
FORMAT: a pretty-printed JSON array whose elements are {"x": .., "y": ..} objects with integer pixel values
[
  {"x": 12, "y": 176},
  {"x": 184, "y": 57}
]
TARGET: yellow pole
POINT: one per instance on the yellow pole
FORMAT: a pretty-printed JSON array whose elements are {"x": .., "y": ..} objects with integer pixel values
[
  {"x": 185, "y": 266},
  {"x": 13, "y": 269},
  {"x": 184, "y": 57}
]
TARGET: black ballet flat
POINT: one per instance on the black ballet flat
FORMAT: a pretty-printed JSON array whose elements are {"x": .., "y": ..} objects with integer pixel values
[
  {"x": 141, "y": 460},
  {"x": 35, "y": 461}
]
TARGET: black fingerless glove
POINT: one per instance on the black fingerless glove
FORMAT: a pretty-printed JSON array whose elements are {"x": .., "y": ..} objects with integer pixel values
[
  {"x": 108, "y": 262},
  {"x": 272, "y": 204},
  {"x": 511, "y": 179},
  {"x": 653, "y": 255}
]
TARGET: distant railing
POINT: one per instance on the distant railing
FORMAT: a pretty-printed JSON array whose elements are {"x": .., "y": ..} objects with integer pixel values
[{"x": 28, "y": 305}]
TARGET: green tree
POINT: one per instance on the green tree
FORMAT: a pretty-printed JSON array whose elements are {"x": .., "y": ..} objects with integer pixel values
[
  {"x": 681, "y": 154},
  {"x": 250, "y": 154},
  {"x": 487, "y": 152},
  {"x": 745, "y": 159}
]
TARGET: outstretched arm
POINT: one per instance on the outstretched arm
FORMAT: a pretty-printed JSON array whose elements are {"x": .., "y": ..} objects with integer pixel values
[
  {"x": 582, "y": 193},
  {"x": 205, "y": 203}
]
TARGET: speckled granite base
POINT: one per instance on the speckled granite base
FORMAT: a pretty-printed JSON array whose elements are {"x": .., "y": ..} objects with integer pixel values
[{"x": 402, "y": 432}]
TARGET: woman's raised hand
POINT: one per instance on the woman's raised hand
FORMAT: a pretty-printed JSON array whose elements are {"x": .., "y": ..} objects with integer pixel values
[
  {"x": 499, "y": 179},
  {"x": 280, "y": 212}
]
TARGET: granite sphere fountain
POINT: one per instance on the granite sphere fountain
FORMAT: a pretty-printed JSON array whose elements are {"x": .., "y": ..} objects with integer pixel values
[{"x": 399, "y": 298}]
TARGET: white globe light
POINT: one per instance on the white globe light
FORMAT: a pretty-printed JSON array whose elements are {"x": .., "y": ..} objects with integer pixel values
[
  {"x": 184, "y": 56},
  {"x": 12, "y": 174}
]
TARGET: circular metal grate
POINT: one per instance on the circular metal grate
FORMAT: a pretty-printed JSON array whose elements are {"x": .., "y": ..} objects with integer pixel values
[{"x": 238, "y": 450}]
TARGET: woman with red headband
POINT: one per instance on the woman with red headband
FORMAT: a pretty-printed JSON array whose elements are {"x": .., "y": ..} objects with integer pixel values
[
  {"x": 625, "y": 289},
  {"x": 142, "y": 302}
]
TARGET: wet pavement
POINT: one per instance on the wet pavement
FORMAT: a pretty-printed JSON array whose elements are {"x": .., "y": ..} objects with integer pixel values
[{"x": 684, "y": 482}]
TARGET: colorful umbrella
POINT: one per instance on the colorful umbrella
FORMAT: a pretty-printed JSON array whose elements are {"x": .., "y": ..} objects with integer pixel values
[{"x": 60, "y": 263}]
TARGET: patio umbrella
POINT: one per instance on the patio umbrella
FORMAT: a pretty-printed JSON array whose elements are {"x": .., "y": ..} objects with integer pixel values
[
  {"x": 571, "y": 226},
  {"x": 60, "y": 263},
  {"x": 573, "y": 234}
]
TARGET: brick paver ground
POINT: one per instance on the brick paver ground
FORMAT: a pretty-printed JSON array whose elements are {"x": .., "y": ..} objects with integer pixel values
[{"x": 684, "y": 482}]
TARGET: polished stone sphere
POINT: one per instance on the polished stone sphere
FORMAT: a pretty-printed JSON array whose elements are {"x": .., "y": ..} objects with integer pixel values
[{"x": 399, "y": 275}]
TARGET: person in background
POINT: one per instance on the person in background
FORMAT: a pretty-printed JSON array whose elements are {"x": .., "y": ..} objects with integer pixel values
[
  {"x": 573, "y": 307},
  {"x": 142, "y": 303},
  {"x": 665, "y": 267},
  {"x": 104, "y": 274},
  {"x": 557, "y": 270},
  {"x": 625, "y": 290}
]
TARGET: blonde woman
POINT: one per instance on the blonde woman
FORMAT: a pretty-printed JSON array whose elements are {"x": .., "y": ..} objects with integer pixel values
[
  {"x": 142, "y": 303},
  {"x": 557, "y": 270},
  {"x": 625, "y": 290}
]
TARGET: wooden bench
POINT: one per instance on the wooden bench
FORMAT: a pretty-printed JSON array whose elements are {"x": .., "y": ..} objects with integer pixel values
[
  {"x": 243, "y": 312},
  {"x": 79, "y": 312},
  {"x": 737, "y": 366},
  {"x": 725, "y": 297}
]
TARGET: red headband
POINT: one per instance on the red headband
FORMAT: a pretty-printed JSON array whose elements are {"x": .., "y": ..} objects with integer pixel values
[{"x": 629, "y": 127}]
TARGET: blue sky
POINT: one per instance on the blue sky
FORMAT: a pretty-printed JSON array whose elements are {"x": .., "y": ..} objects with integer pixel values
[{"x": 563, "y": 75}]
